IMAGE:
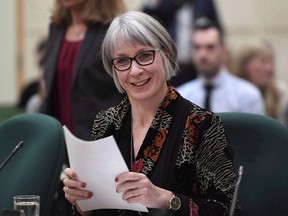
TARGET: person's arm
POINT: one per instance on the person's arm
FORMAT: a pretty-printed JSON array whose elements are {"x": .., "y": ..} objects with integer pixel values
[
  {"x": 44, "y": 107},
  {"x": 214, "y": 170},
  {"x": 253, "y": 101}
]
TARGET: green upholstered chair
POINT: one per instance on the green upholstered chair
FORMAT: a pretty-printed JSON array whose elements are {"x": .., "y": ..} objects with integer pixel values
[
  {"x": 261, "y": 145},
  {"x": 36, "y": 167}
]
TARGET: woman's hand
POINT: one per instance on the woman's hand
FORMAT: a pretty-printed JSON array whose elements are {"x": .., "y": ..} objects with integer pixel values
[
  {"x": 138, "y": 188},
  {"x": 74, "y": 189}
]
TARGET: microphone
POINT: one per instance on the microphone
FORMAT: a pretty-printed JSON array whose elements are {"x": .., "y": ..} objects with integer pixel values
[
  {"x": 16, "y": 149},
  {"x": 235, "y": 195}
]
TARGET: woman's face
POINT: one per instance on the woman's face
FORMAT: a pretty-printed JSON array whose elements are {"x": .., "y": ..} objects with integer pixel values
[
  {"x": 73, "y": 4},
  {"x": 141, "y": 83},
  {"x": 260, "y": 69}
]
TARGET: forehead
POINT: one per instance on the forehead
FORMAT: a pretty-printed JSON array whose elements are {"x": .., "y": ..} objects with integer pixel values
[
  {"x": 206, "y": 36},
  {"x": 124, "y": 47}
]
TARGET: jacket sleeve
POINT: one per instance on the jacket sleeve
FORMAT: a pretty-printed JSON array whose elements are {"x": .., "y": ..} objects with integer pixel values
[{"x": 215, "y": 174}]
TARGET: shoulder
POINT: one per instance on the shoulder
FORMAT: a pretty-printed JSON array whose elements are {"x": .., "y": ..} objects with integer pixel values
[
  {"x": 107, "y": 117},
  {"x": 53, "y": 27},
  {"x": 94, "y": 37},
  {"x": 243, "y": 86},
  {"x": 188, "y": 87},
  {"x": 200, "y": 118},
  {"x": 55, "y": 31},
  {"x": 202, "y": 125},
  {"x": 197, "y": 116},
  {"x": 110, "y": 118},
  {"x": 98, "y": 28},
  {"x": 102, "y": 122}
]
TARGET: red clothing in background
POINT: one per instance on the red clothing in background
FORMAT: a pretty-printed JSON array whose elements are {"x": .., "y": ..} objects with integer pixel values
[{"x": 63, "y": 85}]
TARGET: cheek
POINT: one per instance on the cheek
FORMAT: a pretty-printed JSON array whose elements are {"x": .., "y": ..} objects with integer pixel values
[
  {"x": 160, "y": 69},
  {"x": 252, "y": 69},
  {"x": 119, "y": 77},
  {"x": 253, "y": 76}
]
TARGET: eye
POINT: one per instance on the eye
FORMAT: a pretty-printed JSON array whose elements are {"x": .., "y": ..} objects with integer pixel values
[
  {"x": 121, "y": 61},
  {"x": 145, "y": 56},
  {"x": 211, "y": 47}
]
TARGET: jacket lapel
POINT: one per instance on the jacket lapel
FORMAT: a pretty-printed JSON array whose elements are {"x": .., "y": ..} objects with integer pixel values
[
  {"x": 89, "y": 48},
  {"x": 57, "y": 36}
]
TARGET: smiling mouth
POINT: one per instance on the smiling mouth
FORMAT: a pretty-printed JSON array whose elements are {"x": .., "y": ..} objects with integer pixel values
[{"x": 141, "y": 83}]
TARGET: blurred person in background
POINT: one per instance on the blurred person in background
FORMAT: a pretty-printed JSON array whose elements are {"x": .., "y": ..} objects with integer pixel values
[
  {"x": 178, "y": 17},
  {"x": 32, "y": 95},
  {"x": 215, "y": 88},
  {"x": 255, "y": 63},
  {"x": 35, "y": 101},
  {"x": 76, "y": 84}
]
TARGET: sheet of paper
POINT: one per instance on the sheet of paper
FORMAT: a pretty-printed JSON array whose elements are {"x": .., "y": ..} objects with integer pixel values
[{"x": 98, "y": 163}]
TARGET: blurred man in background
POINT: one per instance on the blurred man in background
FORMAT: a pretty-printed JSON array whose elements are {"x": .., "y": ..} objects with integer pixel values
[{"x": 215, "y": 88}]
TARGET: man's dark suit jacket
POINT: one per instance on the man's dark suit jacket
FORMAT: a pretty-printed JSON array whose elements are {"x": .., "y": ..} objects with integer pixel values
[{"x": 92, "y": 88}]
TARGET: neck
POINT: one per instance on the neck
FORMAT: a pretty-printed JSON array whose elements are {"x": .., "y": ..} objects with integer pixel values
[
  {"x": 143, "y": 112},
  {"x": 142, "y": 118},
  {"x": 77, "y": 16},
  {"x": 77, "y": 29},
  {"x": 209, "y": 77}
]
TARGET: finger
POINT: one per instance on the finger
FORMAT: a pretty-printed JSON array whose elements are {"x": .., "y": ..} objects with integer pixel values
[
  {"x": 129, "y": 194},
  {"x": 74, "y": 193},
  {"x": 74, "y": 183},
  {"x": 72, "y": 199},
  {"x": 70, "y": 173},
  {"x": 133, "y": 184},
  {"x": 136, "y": 197},
  {"x": 129, "y": 176}
]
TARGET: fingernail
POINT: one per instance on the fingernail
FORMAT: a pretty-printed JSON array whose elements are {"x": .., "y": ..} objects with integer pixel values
[
  {"x": 116, "y": 179},
  {"x": 90, "y": 194},
  {"x": 83, "y": 185}
]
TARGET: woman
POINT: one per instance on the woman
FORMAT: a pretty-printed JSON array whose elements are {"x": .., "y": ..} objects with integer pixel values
[
  {"x": 255, "y": 63},
  {"x": 178, "y": 153},
  {"x": 77, "y": 85}
]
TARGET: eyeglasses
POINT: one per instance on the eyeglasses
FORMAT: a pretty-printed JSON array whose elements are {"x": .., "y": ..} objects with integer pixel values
[{"x": 124, "y": 63}]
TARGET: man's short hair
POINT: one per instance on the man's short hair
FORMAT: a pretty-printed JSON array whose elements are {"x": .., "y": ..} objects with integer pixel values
[{"x": 204, "y": 23}]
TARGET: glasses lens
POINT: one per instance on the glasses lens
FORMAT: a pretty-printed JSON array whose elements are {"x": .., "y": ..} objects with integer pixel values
[
  {"x": 121, "y": 63},
  {"x": 145, "y": 58}
]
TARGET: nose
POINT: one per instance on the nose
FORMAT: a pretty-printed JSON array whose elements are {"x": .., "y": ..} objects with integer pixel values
[
  {"x": 136, "y": 68},
  {"x": 202, "y": 52}
]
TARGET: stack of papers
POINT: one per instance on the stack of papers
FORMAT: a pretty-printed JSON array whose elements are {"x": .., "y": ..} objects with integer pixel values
[{"x": 98, "y": 163}]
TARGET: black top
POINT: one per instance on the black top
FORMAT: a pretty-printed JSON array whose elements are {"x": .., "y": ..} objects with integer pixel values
[{"x": 185, "y": 151}]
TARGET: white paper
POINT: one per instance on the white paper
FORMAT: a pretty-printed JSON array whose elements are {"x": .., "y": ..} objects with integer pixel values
[{"x": 98, "y": 163}]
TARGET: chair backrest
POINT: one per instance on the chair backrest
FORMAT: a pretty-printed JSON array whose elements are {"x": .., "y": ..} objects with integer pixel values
[
  {"x": 36, "y": 168},
  {"x": 261, "y": 145}
]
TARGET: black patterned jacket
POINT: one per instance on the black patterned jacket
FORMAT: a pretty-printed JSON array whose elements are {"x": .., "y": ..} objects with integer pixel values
[{"x": 185, "y": 151}]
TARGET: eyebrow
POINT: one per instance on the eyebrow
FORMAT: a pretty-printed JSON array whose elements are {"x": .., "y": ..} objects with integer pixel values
[{"x": 125, "y": 55}]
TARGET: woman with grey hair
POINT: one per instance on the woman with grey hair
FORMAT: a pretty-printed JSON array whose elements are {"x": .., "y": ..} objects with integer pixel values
[{"x": 178, "y": 154}]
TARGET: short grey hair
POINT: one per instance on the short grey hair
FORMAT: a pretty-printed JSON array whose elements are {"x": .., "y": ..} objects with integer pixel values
[{"x": 138, "y": 26}]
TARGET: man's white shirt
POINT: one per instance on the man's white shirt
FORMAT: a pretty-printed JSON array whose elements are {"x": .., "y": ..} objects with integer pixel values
[{"x": 230, "y": 94}]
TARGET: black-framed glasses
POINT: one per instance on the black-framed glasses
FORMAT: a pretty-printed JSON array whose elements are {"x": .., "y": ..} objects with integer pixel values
[{"x": 143, "y": 58}]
